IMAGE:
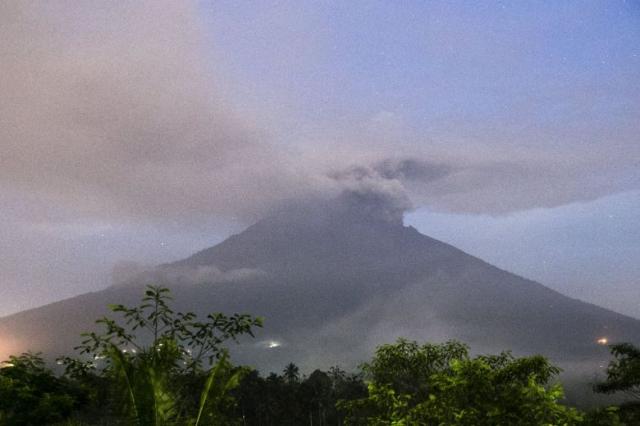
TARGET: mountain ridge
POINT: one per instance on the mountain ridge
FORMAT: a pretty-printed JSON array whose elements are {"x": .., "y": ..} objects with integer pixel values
[{"x": 333, "y": 284}]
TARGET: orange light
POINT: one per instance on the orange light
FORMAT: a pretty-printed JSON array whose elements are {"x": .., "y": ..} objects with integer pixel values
[
  {"x": 8, "y": 346},
  {"x": 603, "y": 341}
]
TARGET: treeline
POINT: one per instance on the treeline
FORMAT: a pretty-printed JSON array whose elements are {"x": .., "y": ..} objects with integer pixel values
[
  {"x": 288, "y": 399},
  {"x": 154, "y": 366}
]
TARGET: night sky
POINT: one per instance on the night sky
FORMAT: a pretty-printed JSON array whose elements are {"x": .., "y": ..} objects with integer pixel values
[{"x": 145, "y": 131}]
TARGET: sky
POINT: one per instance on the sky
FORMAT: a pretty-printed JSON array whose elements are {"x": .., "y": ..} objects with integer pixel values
[{"x": 145, "y": 131}]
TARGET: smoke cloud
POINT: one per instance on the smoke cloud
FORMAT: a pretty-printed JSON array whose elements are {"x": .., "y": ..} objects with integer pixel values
[
  {"x": 131, "y": 273},
  {"x": 119, "y": 111}
]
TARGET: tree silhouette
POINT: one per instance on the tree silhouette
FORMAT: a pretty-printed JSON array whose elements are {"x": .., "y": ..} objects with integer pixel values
[
  {"x": 31, "y": 394},
  {"x": 291, "y": 373},
  {"x": 441, "y": 385},
  {"x": 623, "y": 373},
  {"x": 156, "y": 379}
]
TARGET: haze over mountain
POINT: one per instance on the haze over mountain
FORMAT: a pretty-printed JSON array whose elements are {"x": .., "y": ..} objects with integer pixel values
[
  {"x": 130, "y": 130},
  {"x": 334, "y": 278}
]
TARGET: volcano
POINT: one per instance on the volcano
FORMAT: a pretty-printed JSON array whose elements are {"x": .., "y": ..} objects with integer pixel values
[{"x": 333, "y": 280}]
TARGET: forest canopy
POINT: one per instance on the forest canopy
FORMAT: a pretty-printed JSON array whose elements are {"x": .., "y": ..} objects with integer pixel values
[{"x": 153, "y": 366}]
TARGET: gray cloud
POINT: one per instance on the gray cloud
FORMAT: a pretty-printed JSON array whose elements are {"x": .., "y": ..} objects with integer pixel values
[
  {"x": 384, "y": 187},
  {"x": 131, "y": 273},
  {"x": 119, "y": 112},
  {"x": 412, "y": 169}
]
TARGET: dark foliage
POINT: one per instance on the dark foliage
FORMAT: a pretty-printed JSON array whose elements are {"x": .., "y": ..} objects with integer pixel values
[
  {"x": 31, "y": 394},
  {"x": 623, "y": 376},
  {"x": 287, "y": 399},
  {"x": 623, "y": 373},
  {"x": 432, "y": 384},
  {"x": 182, "y": 376}
]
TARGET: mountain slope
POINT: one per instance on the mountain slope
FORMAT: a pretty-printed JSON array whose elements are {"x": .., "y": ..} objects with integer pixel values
[{"x": 333, "y": 281}]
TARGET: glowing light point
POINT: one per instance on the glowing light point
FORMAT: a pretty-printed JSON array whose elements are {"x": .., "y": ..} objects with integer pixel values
[
  {"x": 602, "y": 341},
  {"x": 273, "y": 344}
]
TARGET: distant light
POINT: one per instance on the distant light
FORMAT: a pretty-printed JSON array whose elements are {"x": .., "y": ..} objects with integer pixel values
[
  {"x": 270, "y": 344},
  {"x": 273, "y": 344},
  {"x": 602, "y": 341},
  {"x": 6, "y": 365}
]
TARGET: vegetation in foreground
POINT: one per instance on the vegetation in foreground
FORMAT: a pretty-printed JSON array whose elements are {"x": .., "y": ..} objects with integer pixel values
[{"x": 160, "y": 367}]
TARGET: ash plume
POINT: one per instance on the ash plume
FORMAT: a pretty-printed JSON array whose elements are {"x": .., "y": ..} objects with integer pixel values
[{"x": 118, "y": 112}]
